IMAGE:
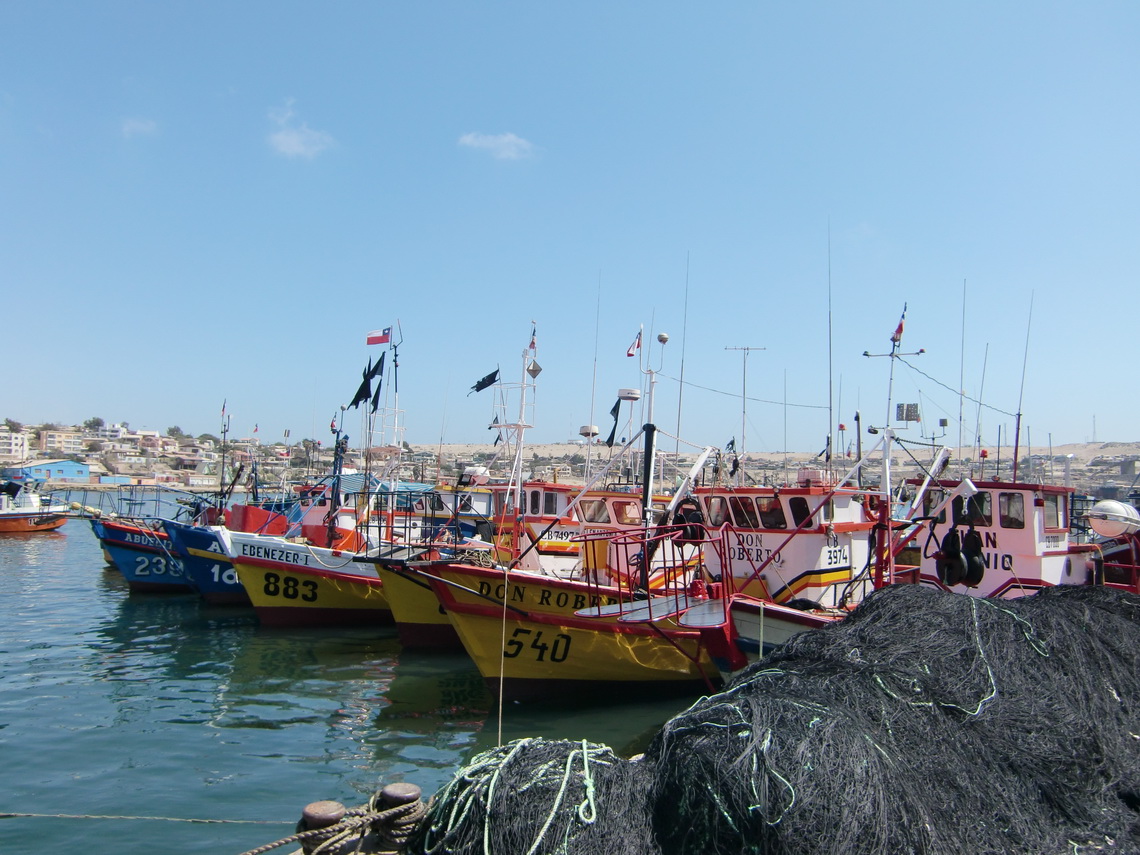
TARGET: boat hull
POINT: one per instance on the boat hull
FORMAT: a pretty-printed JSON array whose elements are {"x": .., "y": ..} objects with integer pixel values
[
  {"x": 536, "y": 648},
  {"x": 206, "y": 564},
  {"x": 421, "y": 621},
  {"x": 297, "y": 584},
  {"x": 143, "y": 556},
  {"x": 11, "y": 523}
]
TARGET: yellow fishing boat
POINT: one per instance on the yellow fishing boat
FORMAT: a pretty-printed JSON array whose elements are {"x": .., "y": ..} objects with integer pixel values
[
  {"x": 299, "y": 584},
  {"x": 536, "y": 636}
]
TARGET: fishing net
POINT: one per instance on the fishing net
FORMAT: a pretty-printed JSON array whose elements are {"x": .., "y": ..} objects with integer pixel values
[
  {"x": 925, "y": 722},
  {"x": 535, "y": 796}
]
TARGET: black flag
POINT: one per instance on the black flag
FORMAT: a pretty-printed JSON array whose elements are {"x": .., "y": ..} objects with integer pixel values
[
  {"x": 613, "y": 432},
  {"x": 489, "y": 380},
  {"x": 499, "y": 436},
  {"x": 730, "y": 445},
  {"x": 378, "y": 373},
  {"x": 364, "y": 392}
]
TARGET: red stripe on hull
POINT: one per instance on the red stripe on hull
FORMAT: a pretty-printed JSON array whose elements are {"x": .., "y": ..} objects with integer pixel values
[
  {"x": 587, "y": 691},
  {"x": 283, "y": 616},
  {"x": 429, "y": 636}
]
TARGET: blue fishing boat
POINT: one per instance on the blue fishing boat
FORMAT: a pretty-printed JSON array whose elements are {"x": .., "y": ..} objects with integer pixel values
[
  {"x": 141, "y": 551},
  {"x": 204, "y": 560}
]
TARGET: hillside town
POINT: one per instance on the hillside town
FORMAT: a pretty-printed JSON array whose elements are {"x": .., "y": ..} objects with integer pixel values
[{"x": 96, "y": 453}]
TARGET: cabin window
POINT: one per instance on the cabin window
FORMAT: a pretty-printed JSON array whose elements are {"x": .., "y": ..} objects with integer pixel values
[
  {"x": 594, "y": 511},
  {"x": 1054, "y": 517},
  {"x": 716, "y": 510},
  {"x": 933, "y": 499},
  {"x": 800, "y": 510},
  {"x": 771, "y": 512},
  {"x": 1011, "y": 510},
  {"x": 744, "y": 512},
  {"x": 535, "y": 499},
  {"x": 627, "y": 512},
  {"x": 550, "y": 504},
  {"x": 975, "y": 510}
]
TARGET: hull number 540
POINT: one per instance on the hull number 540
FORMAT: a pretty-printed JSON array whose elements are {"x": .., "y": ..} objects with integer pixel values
[{"x": 531, "y": 640}]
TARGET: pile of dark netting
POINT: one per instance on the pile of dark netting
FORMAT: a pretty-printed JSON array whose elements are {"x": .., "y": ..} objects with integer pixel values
[
  {"x": 925, "y": 722},
  {"x": 539, "y": 795}
]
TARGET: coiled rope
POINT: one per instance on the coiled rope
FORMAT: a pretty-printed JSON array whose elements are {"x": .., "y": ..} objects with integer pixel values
[{"x": 390, "y": 825}]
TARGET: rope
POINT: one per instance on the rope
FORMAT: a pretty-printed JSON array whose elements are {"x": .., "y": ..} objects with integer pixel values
[
  {"x": 393, "y": 826},
  {"x": 13, "y": 815}
]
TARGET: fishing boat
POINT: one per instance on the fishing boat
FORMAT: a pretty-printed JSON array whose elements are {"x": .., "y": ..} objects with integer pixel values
[
  {"x": 537, "y": 636},
  {"x": 24, "y": 509},
  {"x": 142, "y": 552},
  {"x": 205, "y": 563},
  {"x": 544, "y": 538}
]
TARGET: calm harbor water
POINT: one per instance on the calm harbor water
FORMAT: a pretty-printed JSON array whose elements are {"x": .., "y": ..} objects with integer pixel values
[{"x": 156, "y": 709}]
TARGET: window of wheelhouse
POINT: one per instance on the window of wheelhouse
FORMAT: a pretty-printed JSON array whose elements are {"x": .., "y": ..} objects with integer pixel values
[
  {"x": 800, "y": 509},
  {"x": 1054, "y": 511},
  {"x": 594, "y": 511},
  {"x": 550, "y": 504},
  {"x": 771, "y": 512},
  {"x": 627, "y": 512},
  {"x": 535, "y": 502},
  {"x": 716, "y": 510},
  {"x": 743, "y": 512},
  {"x": 932, "y": 500},
  {"x": 1011, "y": 510},
  {"x": 975, "y": 510}
]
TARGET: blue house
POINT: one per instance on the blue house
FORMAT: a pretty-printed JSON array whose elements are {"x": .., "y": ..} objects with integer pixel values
[{"x": 49, "y": 470}]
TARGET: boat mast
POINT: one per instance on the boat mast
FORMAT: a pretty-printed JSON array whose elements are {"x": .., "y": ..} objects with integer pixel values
[
  {"x": 1021, "y": 393},
  {"x": 743, "y": 447}
]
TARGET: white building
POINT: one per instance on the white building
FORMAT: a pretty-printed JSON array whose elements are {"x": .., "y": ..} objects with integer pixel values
[{"x": 13, "y": 444}]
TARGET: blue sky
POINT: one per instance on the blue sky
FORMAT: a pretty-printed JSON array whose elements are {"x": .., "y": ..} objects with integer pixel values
[{"x": 204, "y": 202}]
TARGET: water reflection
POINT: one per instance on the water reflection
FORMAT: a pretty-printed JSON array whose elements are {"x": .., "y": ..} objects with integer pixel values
[{"x": 155, "y": 704}]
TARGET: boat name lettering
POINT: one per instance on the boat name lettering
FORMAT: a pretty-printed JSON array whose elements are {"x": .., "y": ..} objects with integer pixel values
[
  {"x": 1054, "y": 541},
  {"x": 143, "y": 539},
  {"x": 274, "y": 553},
  {"x": 546, "y": 597},
  {"x": 755, "y": 555},
  {"x": 994, "y": 560},
  {"x": 563, "y": 600},
  {"x": 518, "y": 592}
]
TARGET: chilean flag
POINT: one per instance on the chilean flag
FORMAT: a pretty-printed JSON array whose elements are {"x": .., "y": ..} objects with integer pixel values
[
  {"x": 380, "y": 336},
  {"x": 636, "y": 346}
]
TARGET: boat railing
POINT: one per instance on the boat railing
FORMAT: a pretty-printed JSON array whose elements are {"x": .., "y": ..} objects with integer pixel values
[
  {"x": 640, "y": 563},
  {"x": 138, "y": 503}
]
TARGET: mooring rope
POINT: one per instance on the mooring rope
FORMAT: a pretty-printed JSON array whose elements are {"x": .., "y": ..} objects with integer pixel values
[{"x": 14, "y": 815}]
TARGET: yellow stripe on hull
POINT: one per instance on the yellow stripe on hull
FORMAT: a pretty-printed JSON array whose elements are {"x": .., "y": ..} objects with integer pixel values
[{"x": 299, "y": 596}]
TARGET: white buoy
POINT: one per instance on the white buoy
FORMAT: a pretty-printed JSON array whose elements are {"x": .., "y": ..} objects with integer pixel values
[{"x": 1110, "y": 518}]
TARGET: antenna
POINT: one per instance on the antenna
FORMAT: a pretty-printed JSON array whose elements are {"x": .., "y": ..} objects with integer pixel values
[
  {"x": 1021, "y": 392},
  {"x": 896, "y": 341},
  {"x": 744, "y": 394}
]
